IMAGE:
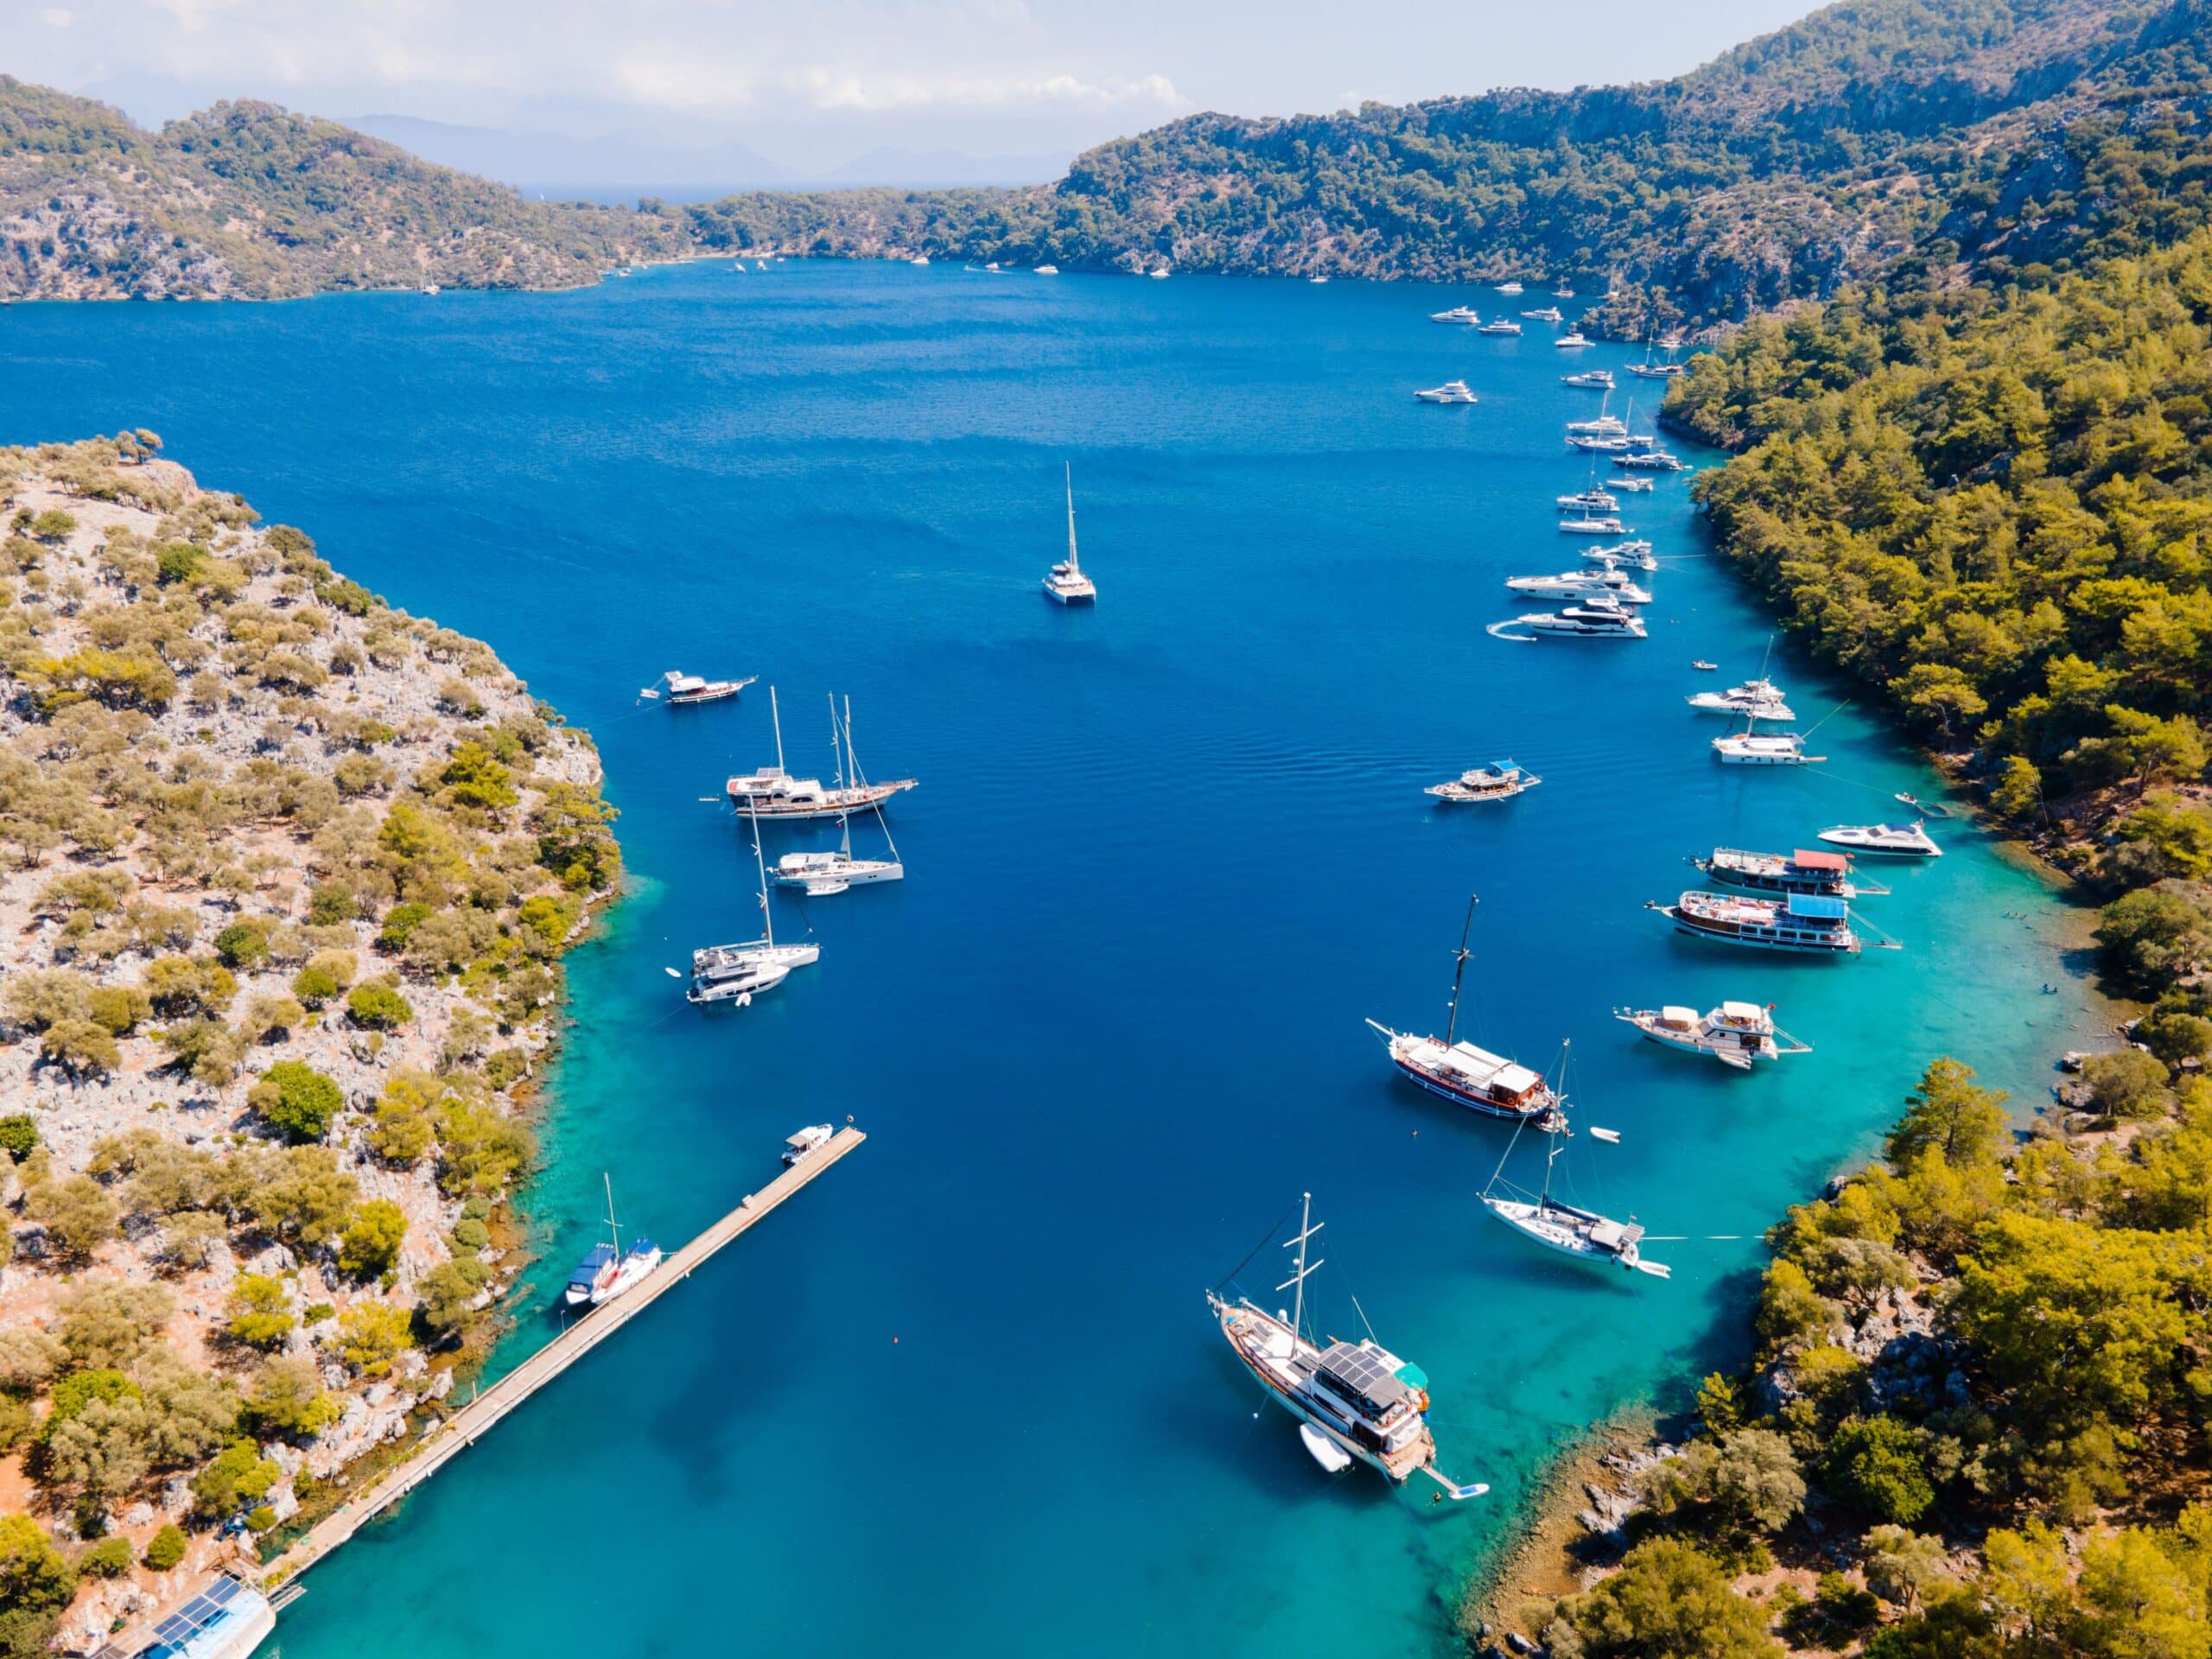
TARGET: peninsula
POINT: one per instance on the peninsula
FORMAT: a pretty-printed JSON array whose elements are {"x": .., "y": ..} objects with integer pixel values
[{"x": 285, "y": 875}]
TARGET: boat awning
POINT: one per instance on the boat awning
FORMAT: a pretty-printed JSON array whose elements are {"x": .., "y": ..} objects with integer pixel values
[
  {"x": 1682, "y": 1017},
  {"x": 1412, "y": 1376},
  {"x": 1515, "y": 1079},
  {"x": 1807, "y": 860},
  {"x": 1747, "y": 1012},
  {"x": 1479, "y": 1064},
  {"x": 1816, "y": 906}
]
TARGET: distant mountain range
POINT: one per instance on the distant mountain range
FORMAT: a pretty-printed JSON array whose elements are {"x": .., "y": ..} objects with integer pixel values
[{"x": 1950, "y": 132}]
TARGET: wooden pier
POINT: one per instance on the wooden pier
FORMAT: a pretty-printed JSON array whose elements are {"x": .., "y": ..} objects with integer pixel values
[{"x": 458, "y": 1432}]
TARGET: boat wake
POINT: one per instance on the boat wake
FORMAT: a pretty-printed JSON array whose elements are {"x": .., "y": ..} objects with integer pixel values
[{"x": 1495, "y": 632}]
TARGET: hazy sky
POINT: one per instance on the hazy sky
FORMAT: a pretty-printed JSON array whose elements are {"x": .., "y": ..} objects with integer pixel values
[{"x": 812, "y": 81}]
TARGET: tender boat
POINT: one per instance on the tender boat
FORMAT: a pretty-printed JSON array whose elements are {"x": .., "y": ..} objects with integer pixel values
[
  {"x": 1358, "y": 1397},
  {"x": 1583, "y": 584},
  {"x": 1501, "y": 326},
  {"x": 1460, "y": 313},
  {"x": 1885, "y": 840},
  {"x": 732, "y": 973},
  {"x": 1760, "y": 699},
  {"x": 1460, "y": 1072},
  {"x": 806, "y": 1142},
  {"x": 1452, "y": 391},
  {"x": 773, "y": 794},
  {"x": 679, "y": 690},
  {"x": 1636, "y": 555},
  {"x": 1704, "y": 667},
  {"x": 820, "y": 874},
  {"x": 1065, "y": 584},
  {"x": 1587, "y": 501},
  {"x": 1324, "y": 1450},
  {"x": 1599, "y": 617},
  {"x": 1807, "y": 922},
  {"x": 1568, "y": 1229},
  {"x": 1501, "y": 780},
  {"x": 1569, "y": 341},
  {"x": 1735, "y": 1033},
  {"x": 1796, "y": 872},
  {"x": 1605, "y": 525},
  {"x": 1597, "y": 379}
]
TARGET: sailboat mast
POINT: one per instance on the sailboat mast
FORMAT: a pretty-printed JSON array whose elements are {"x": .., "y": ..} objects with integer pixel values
[
  {"x": 1071, "y": 481},
  {"x": 777, "y": 716},
  {"x": 1305, "y": 1232},
  {"x": 761, "y": 863},
  {"x": 613, "y": 1231},
  {"x": 1458, "y": 970},
  {"x": 844, "y": 777},
  {"x": 853, "y": 762}
]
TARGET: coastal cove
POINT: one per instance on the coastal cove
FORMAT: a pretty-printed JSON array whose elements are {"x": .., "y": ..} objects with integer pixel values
[{"x": 1164, "y": 859}]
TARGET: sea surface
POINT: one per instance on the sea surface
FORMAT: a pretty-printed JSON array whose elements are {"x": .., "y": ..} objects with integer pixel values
[{"x": 962, "y": 1396}]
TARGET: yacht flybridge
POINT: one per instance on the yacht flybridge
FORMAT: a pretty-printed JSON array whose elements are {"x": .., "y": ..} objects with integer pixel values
[
  {"x": 1885, "y": 840},
  {"x": 1460, "y": 1072},
  {"x": 1735, "y": 1033},
  {"x": 1352, "y": 1399},
  {"x": 1607, "y": 578},
  {"x": 1461, "y": 314},
  {"x": 1568, "y": 1229},
  {"x": 819, "y": 875},
  {"x": 774, "y": 795},
  {"x": 732, "y": 973},
  {"x": 1795, "y": 872},
  {"x": 1810, "y": 922},
  {"x": 1501, "y": 780},
  {"x": 1065, "y": 584},
  {"x": 1760, "y": 699},
  {"x": 1452, "y": 391}
]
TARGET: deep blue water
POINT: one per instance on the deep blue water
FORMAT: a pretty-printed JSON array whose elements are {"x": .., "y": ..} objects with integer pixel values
[{"x": 962, "y": 1397}]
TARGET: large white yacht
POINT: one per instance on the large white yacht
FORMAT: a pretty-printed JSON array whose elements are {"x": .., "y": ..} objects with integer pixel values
[
  {"x": 1596, "y": 380},
  {"x": 1592, "y": 500},
  {"x": 1460, "y": 313},
  {"x": 1885, "y": 840},
  {"x": 1600, "y": 617},
  {"x": 773, "y": 793},
  {"x": 1636, "y": 555},
  {"x": 1569, "y": 342},
  {"x": 1509, "y": 288},
  {"x": 1065, "y": 584},
  {"x": 1544, "y": 314},
  {"x": 1754, "y": 749},
  {"x": 1735, "y": 1033},
  {"x": 1501, "y": 326},
  {"x": 1452, "y": 391},
  {"x": 1760, "y": 699},
  {"x": 1592, "y": 524},
  {"x": 1608, "y": 579}
]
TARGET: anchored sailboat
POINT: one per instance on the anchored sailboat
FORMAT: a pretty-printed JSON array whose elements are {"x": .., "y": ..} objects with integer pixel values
[
  {"x": 731, "y": 973},
  {"x": 1352, "y": 1398},
  {"x": 1583, "y": 1234},
  {"x": 1065, "y": 584},
  {"x": 773, "y": 794},
  {"x": 818, "y": 875},
  {"x": 1460, "y": 1072}
]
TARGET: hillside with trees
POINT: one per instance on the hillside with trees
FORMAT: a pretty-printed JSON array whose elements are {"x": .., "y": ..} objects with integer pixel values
[
  {"x": 246, "y": 201},
  {"x": 285, "y": 878}
]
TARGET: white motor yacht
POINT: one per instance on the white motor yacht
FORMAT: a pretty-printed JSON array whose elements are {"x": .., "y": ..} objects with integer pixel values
[
  {"x": 1583, "y": 584},
  {"x": 1065, "y": 584},
  {"x": 1594, "y": 380},
  {"x": 1599, "y": 617},
  {"x": 919, "y": 259},
  {"x": 1460, "y": 313},
  {"x": 1509, "y": 288},
  {"x": 1760, "y": 699},
  {"x": 1569, "y": 341},
  {"x": 1632, "y": 484},
  {"x": 1636, "y": 555},
  {"x": 1885, "y": 840},
  {"x": 1047, "y": 270},
  {"x": 1501, "y": 326},
  {"x": 1592, "y": 524},
  {"x": 1648, "y": 461},
  {"x": 802, "y": 1145},
  {"x": 1545, "y": 313},
  {"x": 1587, "y": 501},
  {"x": 1452, "y": 391},
  {"x": 1735, "y": 1033},
  {"x": 1601, "y": 426}
]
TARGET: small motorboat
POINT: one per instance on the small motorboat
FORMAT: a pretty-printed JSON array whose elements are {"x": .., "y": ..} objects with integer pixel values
[
  {"x": 1885, "y": 840},
  {"x": 1452, "y": 391},
  {"x": 806, "y": 1142},
  {"x": 1704, "y": 667},
  {"x": 1324, "y": 1448}
]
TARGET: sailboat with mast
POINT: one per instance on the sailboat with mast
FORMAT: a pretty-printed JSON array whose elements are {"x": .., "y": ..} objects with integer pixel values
[
  {"x": 731, "y": 973},
  {"x": 1460, "y": 1071},
  {"x": 773, "y": 794},
  {"x": 818, "y": 875},
  {"x": 1568, "y": 1229},
  {"x": 1353, "y": 1400},
  {"x": 1065, "y": 584},
  {"x": 608, "y": 1269}
]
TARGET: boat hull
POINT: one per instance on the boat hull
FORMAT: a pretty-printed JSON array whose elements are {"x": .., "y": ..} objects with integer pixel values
[
  {"x": 768, "y": 810},
  {"x": 1846, "y": 947},
  {"x": 1458, "y": 1096}
]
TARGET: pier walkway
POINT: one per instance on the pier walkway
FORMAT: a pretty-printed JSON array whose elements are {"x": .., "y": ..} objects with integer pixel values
[{"x": 448, "y": 1440}]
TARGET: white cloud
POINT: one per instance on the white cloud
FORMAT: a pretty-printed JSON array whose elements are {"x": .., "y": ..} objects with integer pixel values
[
  {"x": 863, "y": 90},
  {"x": 57, "y": 17}
]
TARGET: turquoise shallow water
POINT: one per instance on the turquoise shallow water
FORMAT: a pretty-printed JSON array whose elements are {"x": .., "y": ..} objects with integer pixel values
[{"x": 964, "y": 1396}]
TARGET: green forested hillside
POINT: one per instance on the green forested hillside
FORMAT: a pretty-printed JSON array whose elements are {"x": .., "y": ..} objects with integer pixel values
[
  {"x": 247, "y": 200},
  {"x": 1779, "y": 171}
]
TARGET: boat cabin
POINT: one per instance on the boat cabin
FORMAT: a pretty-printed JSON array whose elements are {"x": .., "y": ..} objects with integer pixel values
[{"x": 1364, "y": 1379}]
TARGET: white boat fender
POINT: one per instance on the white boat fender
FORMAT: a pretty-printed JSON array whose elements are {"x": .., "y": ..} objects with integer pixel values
[{"x": 1611, "y": 1137}]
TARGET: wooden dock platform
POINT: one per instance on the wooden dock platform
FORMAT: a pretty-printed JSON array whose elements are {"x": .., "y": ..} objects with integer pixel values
[{"x": 460, "y": 1431}]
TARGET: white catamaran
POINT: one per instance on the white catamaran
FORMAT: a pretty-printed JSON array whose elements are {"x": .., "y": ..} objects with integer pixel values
[
  {"x": 1353, "y": 1400},
  {"x": 1065, "y": 584},
  {"x": 818, "y": 875},
  {"x": 1583, "y": 1234}
]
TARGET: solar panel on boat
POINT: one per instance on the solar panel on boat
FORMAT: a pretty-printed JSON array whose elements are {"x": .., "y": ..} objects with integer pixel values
[
  {"x": 1360, "y": 1375},
  {"x": 203, "y": 1609}
]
